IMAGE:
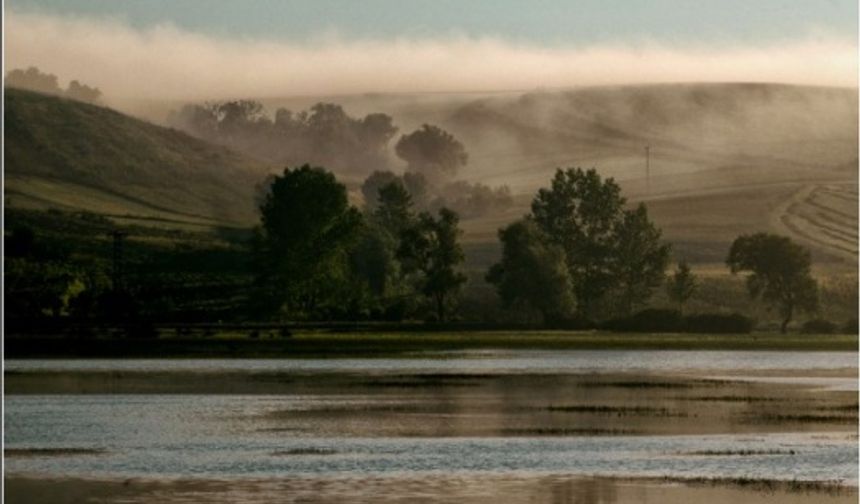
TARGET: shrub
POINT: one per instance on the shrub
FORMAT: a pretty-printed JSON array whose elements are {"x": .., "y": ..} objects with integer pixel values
[
  {"x": 651, "y": 320},
  {"x": 850, "y": 326},
  {"x": 718, "y": 323},
  {"x": 818, "y": 326}
]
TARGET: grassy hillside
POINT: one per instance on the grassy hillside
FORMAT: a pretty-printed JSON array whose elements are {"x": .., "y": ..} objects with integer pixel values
[{"x": 74, "y": 156}]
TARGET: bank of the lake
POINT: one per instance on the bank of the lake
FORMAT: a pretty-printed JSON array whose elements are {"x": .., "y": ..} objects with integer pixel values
[{"x": 324, "y": 343}]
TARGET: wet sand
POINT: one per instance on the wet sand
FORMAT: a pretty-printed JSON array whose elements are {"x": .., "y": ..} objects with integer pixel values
[{"x": 474, "y": 489}]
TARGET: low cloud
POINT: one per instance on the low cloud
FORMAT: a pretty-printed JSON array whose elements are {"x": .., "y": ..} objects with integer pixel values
[{"x": 164, "y": 62}]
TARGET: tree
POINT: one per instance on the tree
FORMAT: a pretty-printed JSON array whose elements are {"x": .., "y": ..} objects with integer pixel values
[
  {"x": 33, "y": 79},
  {"x": 532, "y": 272},
  {"x": 306, "y": 223},
  {"x": 779, "y": 273},
  {"x": 606, "y": 248},
  {"x": 579, "y": 212},
  {"x": 371, "y": 185},
  {"x": 433, "y": 152},
  {"x": 416, "y": 184},
  {"x": 374, "y": 256},
  {"x": 681, "y": 285},
  {"x": 394, "y": 208},
  {"x": 82, "y": 92},
  {"x": 639, "y": 259},
  {"x": 430, "y": 247}
]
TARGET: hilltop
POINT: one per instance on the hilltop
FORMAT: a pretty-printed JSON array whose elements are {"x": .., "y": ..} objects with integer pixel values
[{"x": 75, "y": 156}]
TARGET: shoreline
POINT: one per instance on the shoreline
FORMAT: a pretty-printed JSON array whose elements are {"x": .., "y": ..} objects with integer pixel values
[
  {"x": 313, "y": 344},
  {"x": 469, "y": 488}
]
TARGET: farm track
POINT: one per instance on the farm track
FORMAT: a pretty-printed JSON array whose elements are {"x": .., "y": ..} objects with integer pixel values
[{"x": 822, "y": 216}]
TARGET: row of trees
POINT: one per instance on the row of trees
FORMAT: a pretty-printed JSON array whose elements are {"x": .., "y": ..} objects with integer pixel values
[
  {"x": 327, "y": 136},
  {"x": 317, "y": 255},
  {"x": 34, "y": 79},
  {"x": 579, "y": 254}
]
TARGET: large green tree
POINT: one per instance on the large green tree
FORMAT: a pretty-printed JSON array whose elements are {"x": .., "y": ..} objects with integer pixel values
[
  {"x": 779, "y": 273},
  {"x": 430, "y": 247},
  {"x": 374, "y": 256},
  {"x": 532, "y": 272},
  {"x": 639, "y": 258},
  {"x": 578, "y": 212},
  {"x": 306, "y": 224},
  {"x": 607, "y": 249}
]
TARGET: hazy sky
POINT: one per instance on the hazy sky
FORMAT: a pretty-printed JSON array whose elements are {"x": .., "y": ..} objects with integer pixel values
[
  {"x": 215, "y": 48},
  {"x": 542, "y": 21}
]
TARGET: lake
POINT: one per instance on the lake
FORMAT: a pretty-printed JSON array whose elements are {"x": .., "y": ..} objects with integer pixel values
[{"x": 487, "y": 416}]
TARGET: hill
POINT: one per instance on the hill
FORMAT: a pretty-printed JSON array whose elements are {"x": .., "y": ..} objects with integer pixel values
[
  {"x": 725, "y": 159},
  {"x": 75, "y": 156}
]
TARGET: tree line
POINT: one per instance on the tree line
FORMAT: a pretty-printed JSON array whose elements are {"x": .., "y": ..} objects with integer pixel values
[
  {"x": 581, "y": 256},
  {"x": 325, "y": 135},
  {"x": 33, "y": 79}
]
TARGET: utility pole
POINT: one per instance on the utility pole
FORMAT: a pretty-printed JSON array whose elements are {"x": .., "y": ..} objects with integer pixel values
[
  {"x": 117, "y": 272},
  {"x": 648, "y": 170}
]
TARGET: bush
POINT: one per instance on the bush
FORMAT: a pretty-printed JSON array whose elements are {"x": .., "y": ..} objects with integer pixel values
[
  {"x": 818, "y": 326},
  {"x": 651, "y": 320},
  {"x": 718, "y": 323},
  {"x": 850, "y": 327}
]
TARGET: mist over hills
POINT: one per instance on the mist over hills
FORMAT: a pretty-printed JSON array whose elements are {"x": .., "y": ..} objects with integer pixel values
[{"x": 724, "y": 158}]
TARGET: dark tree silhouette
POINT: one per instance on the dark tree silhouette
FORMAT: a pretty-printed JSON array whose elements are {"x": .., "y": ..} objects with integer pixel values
[
  {"x": 371, "y": 185},
  {"x": 579, "y": 212},
  {"x": 306, "y": 222},
  {"x": 607, "y": 249},
  {"x": 639, "y": 259},
  {"x": 394, "y": 208},
  {"x": 433, "y": 152},
  {"x": 430, "y": 247},
  {"x": 681, "y": 286},
  {"x": 532, "y": 272},
  {"x": 779, "y": 273}
]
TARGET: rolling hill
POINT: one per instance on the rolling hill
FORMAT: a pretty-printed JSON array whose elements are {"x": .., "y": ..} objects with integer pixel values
[
  {"x": 725, "y": 159},
  {"x": 75, "y": 156}
]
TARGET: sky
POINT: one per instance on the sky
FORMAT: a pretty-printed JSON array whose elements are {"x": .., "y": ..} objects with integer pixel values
[{"x": 215, "y": 48}]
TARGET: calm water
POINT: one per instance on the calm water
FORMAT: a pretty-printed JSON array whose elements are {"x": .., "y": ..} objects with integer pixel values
[
  {"x": 227, "y": 436},
  {"x": 499, "y": 361},
  {"x": 214, "y": 436}
]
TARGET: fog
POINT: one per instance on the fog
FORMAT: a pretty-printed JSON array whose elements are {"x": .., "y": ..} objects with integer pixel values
[{"x": 168, "y": 63}]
